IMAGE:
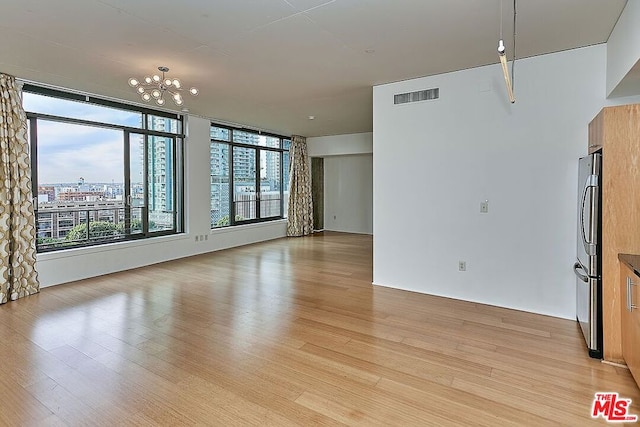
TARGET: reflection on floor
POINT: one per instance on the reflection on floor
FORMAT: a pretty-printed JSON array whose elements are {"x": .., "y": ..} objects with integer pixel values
[{"x": 287, "y": 332}]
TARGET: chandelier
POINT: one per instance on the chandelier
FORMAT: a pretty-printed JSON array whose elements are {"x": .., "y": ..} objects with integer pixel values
[{"x": 158, "y": 88}]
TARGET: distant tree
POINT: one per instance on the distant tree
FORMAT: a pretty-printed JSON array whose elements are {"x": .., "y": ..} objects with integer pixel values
[
  {"x": 136, "y": 226},
  {"x": 225, "y": 220},
  {"x": 97, "y": 229},
  {"x": 46, "y": 240}
]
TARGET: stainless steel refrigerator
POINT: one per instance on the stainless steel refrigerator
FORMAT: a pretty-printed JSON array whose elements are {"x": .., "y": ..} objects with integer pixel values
[{"x": 589, "y": 258}]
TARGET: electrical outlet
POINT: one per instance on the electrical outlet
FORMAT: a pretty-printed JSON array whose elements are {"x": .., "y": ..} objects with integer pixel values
[
  {"x": 197, "y": 237},
  {"x": 206, "y": 237},
  {"x": 484, "y": 207},
  {"x": 462, "y": 266}
]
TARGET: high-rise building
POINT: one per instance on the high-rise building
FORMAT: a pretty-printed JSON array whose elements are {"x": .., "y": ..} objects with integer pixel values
[
  {"x": 244, "y": 159},
  {"x": 161, "y": 165},
  {"x": 244, "y": 168},
  {"x": 219, "y": 182},
  {"x": 272, "y": 170}
]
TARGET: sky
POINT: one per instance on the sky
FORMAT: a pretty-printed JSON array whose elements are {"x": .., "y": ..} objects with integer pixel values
[{"x": 67, "y": 152}]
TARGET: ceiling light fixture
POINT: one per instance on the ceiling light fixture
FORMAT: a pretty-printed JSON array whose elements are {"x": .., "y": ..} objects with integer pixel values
[
  {"x": 157, "y": 86},
  {"x": 502, "y": 55}
]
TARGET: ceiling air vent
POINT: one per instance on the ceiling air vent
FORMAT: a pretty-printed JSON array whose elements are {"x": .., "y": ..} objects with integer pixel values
[{"x": 421, "y": 95}]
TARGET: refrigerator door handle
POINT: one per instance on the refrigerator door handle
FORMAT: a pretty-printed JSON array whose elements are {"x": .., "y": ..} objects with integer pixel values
[
  {"x": 577, "y": 266},
  {"x": 592, "y": 182}
]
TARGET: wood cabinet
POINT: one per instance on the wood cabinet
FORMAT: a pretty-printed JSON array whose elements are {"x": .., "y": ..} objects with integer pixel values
[
  {"x": 596, "y": 136},
  {"x": 617, "y": 131},
  {"x": 629, "y": 289}
]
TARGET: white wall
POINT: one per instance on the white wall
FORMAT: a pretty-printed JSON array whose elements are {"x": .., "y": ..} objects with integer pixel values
[
  {"x": 348, "y": 180},
  {"x": 348, "y": 193},
  {"x": 436, "y": 161},
  {"x": 623, "y": 48},
  {"x": 75, "y": 264}
]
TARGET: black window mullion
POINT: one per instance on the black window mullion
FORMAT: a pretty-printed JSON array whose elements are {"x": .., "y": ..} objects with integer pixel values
[
  {"x": 180, "y": 186},
  {"x": 258, "y": 178},
  {"x": 79, "y": 97},
  {"x": 145, "y": 184},
  {"x": 127, "y": 182},
  {"x": 33, "y": 157},
  {"x": 281, "y": 182},
  {"x": 174, "y": 178},
  {"x": 179, "y": 201},
  {"x": 232, "y": 193},
  {"x": 103, "y": 125},
  {"x": 33, "y": 136}
]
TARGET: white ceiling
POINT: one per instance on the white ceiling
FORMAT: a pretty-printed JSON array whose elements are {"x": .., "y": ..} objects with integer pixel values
[{"x": 270, "y": 64}]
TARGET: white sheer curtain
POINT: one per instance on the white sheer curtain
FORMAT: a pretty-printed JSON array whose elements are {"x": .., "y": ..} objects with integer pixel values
[
  {"x": 300, "y": 208},
  {"x": 18, "y": 276}
]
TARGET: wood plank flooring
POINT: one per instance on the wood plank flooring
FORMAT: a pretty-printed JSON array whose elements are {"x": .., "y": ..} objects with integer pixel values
[{"x": 287, "y": 332}]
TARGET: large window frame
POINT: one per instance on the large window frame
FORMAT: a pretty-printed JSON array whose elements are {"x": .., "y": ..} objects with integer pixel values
[
  {"x": 126, "y": 210},
  {"x": 280, "y": 150}
]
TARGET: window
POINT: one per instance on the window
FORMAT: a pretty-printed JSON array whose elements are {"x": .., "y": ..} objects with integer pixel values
[
  {"x": 249, "y": 176},
  {"x": 102, "y": 171}
]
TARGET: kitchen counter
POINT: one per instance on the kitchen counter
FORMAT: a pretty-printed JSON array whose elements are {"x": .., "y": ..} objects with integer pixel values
[{"x": 632, "y": 261}]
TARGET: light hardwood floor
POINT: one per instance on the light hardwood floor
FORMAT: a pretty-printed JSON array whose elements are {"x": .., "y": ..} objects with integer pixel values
[{"x": 287, "y": 332}]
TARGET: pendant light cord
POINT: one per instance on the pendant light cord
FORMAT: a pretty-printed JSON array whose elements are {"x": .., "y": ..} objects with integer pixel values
[
  {"x": 501, "y": 1},
  {"x": 513, "y": 75}
]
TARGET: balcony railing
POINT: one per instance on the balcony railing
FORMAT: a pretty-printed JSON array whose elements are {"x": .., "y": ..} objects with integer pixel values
[
  {"x": 66, "y": 227},
  {"x": 245, "y": 204}
]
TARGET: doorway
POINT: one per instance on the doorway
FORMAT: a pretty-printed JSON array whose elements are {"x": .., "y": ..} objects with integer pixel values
[{"x": 317, "y": 192}]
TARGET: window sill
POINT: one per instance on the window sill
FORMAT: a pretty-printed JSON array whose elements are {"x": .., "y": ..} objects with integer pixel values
[
  {"x": 232, "y": 228},
  {"x": 66, "y": 253},
  {"x": 107, "y": 247}
]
